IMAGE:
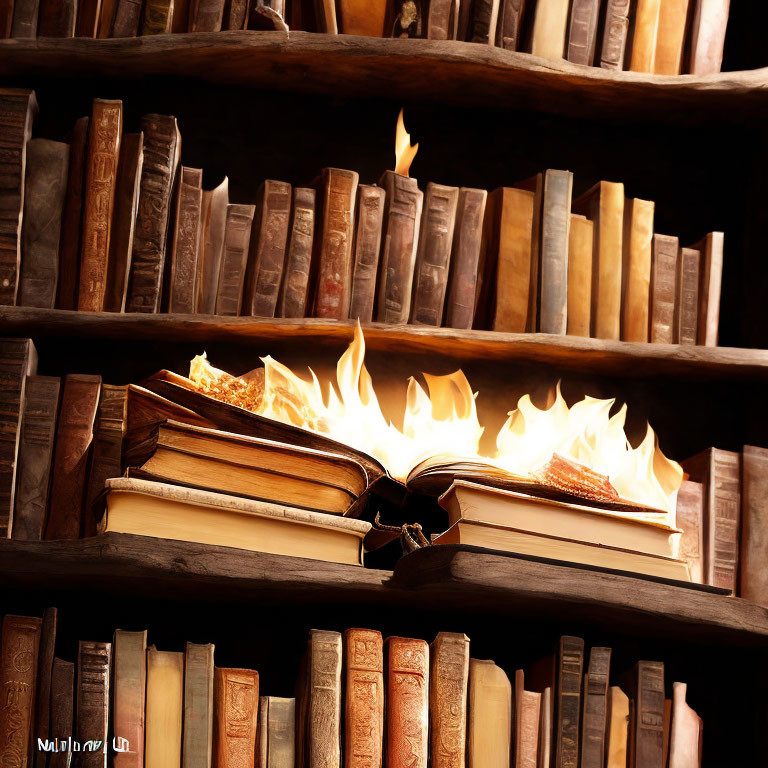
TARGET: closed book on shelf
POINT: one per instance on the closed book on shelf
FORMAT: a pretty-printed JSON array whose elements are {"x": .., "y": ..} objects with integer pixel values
[
  {"x": 325, "y": 13},
  {"x": 442, "y": 19},
  {"x": 687, "y": 304},
  {"x": 595, "y": 694},
  {"x": 645, "y": 685},
  {"x": 277, "y": 723},
  {"x": 636, "y": 268},
  {"x": 483, "y": 19},
  {"x": 129, "y": 686},
  {"x": 644, "y": 32},
  {"x": 197, "y": 750},
  {"x": 43, "y": 687},
  {"x": 205, "y": 15},
  {"x": 106, "y": 17},
  {"x": 617, "y": 728},
  {"x": 234, "y": 259},
  {"x": 550, "y": 25},
  {"x": 582, "y": 33},
  {"x": 164, "y": 709},
  {"x": 364, "y": 698},
  {"x": 158, "y": 17},
  {"x": 690, "y": 519},
  {"x": 685, "y": 736},
  {"x": 614, "y": 34},
  {"x": 57, "y": 18},
  {"x": 88, "y": 15},
  {"x": 363, "y": 17},
  {"x": 180, "y": 19},
  {"x": 580, "y": 251},
  {"x": 62, "y": 710},
  {"x": 24, "y": 24},
  {"x": 185, "y": 249},
  {"x": 236, "y": 710},
  {"x": 570, "y": 663},
  {"x": 527, "y": 725},
  {"x": 711, "y": 271},
  {"x": 213, "y": 225},
  {"x": 127, "y": 19},
  {"x": 670, "y": 39},
  {"x": 94, "y": 666},
  {"x": 710, "y": 19},
  {"x": 490, "y": 716},
  {"x": 509, "y": 27},
  {"x": 294, "y": 290},
  {"x": 370, "y": 216},
  {"x": 753, "y": 582},
  {"x": 663, "y": 289}
]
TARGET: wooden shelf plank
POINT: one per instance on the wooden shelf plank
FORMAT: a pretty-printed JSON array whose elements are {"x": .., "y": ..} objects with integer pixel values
[{"x": 449, "y": 71}]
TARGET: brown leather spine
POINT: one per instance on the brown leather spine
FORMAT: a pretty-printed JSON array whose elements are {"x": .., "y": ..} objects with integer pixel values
[
  {"x": 690, "y": 519},
  {"x": 646, "y": 686},
  {"x": 186, "y": 242},
  {"x": 527, "y": 724},
  {"x": 294, "y": 290},
  {"x": 615, "y": 32},
  {"x": 449, "y": 678},
  {"x": 595, "y": 707},
  {"x": 663, "y": 279},
  {"x": 754, "y": 532},
  {"x": 158, "y": 17},
  {"x": 710, "y": 19},
  {"x": 6, "y": 18},
  {"x": 235, "y": 14},
  {"x": 94, "y": 663},
  {"x": 24, "y": 23},
  {"x": 582, "y": 34},
  {"x": 234, "y": 260},
  {"x": 364, "y": 704},
  {"x": 711, "y": 271},
  {"x": 509, "y": 27},
  {"x": 62, "y": 710},
  {"x": 43, "y": 688},
  {"x": 484, "y": 17},
  {"x": 442, "y": 20},
  {"x": 236, "y": 709},
  {"x": 88, "y": 14},
  {"x": 687, "y": 305},
  {"x": 57, "y": 18},
  {"x": 127, "y": 18},
  {"x": 129, "y": 690},
  {"x": 370, "y": 216},
  {"x": 205, "y": 15},
  {"x": 569, "y": 670},
  {"x": 100, "y": 177},
  {"x": 213, "y": 225}
]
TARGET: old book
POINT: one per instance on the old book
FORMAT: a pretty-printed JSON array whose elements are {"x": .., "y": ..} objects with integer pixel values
[
  {"x": 645, "y": 684},
  {"x": 105, "y": 132},
  {"x": 690, "y": 519},
  {"x": 24, "y": 24},
  {"x": 74, "y": 434},
  {"x": 325, "y": 14},
  {"x": 663, "y": 289},
  {"x": 448, "y": 683},
  {"x": 129, "y": 684},
  {"x": 434, "y": 254},
  {"x": 41, "y": 404},
  {"x": 18, "y": 108},
  {"x": 595, "y": 707},
  {"x": 753, "y": 582},
  {"x": 710, "y": 18},
  {"x": 489, "y": 731},
  {"x": 235, "y": 14},
  {"x": 18, "y": 360},
  {"x": 266, "y": 257},
  {"x": 527, "y": 726},
  {"x": 57, "y": 18},
  {"x": 401, "y": 225},
  {"x": 670, "y": 39},
  {"x": 604, "y": 205},
  {"x": 371, "y": 201},
  {"x": 636, "y": 268},
  {"x": 687, "y": 301},
  {"x": 158, "y": 17},
  {"x": 278, "y": 717},
  {"x": 94, "y": 666},
  {"x": 582, "y": 33},
  {"x": 550, "y": 24},
  {"x": 19, "y": 646},
  {"x": 294, "y": 290},
  {"x": 615, "y": 32},
  {"x": 363, "y": 17},
  {"x": 162, "y": 146},
  {"x": 197, "y": 749},
  {"x": 70, "y": 240},
  {"x": 484, "y": 17},
  {"x": 545, "y": 729},
  {"x": 336, "y": 222},
  {"x": 364, "y": 698},
  {"x": 106, "y": 17},
  {"x": 711, "y": 271},
  {"x": 127, "y": 19},
  {"x": 442, "y": 20},
  {"x": 213, "y": 225},
  {"x": 62, "y": 711},
  {"x": 667, "y": 723},
  {"x": 644, "y": 33},
  {"x": 570, "y": 661},
  {"x": 45, "y": 656},
  {"x": 88, "y": 14},
  {"x": 205, "y": 15},
  {"x": 685, "y": 736},
  {"x": 234, "y": 258},
  {"x": 617, "y": 726},
  {"x": 127, "y": 189},
  {"x": 579, "y": 291},
  {"x": 164, "y": 709},
  {"x": 509, "y": 25},
  {"x": 236, "y": 709},
  {"x": 180, "y": 18}
]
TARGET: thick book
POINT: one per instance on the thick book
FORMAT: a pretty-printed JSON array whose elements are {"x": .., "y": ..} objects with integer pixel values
[
  {"x": 294, "y": 291},
  {"x": 47, "y": 167},
  {"x": 753, "y": 581},
  {"x": 18, "y": 360},
  {"x": 94, "y": 666},
  {"x": 636, "y": 268},
  {"x": 690, "y": 519},
  {"x": 105, "y": 133},
  {"x": 57, "y": 18},
  {"x": 484, "y": 15},
  {"x": 707, "y": 36},
  {"x": 448, "y": 687},
  {"x": 442, "y": 19},
  {"x": 509, "y": 26},
  {"x": 582, "y": 31},
  {"x": 687, "y": 300},
  {"x": 614, "y": 35},
  {"x": 527, "y": 706},
  {"x": 236, "y": 710},
  {"x": 74, "y": 435},
  {"x": 617, "y": 728},
  {"x": 205, "y": 15},
  {"x": 661, "y": 314},
  {"x": 127, "y": 19},
  {"x": 18, "y": 108},
  {"x": 182, "y": 288},
  {"x": 685, "y": 732},
  {"x": 158, "y": 17},
  {"x": 570, "y": 662},
  {"x": 670, "y": 38},
  {"x": 644, "y": 31},
  {"x": 645, "y": 685},
  {"x": 371, "y": 201},
  {"x": 595, "y": 695},
  {"x": 266, "y": 257},
  {"x": 129, "y": 687},
  {"x": 213, "y": 224},
  {"x": 277, "y": 732},
  {"x": 164, "y": 709},
  {"x": 62, "y": 711},
  {"x": 234, "y": 259},
  {"x": 45, "y": 658},
  {"x": 711, "y": 272},
  {"x": 550, "y": 26},
  {"x": 489, "y": 731},
  {"x": 579, "y": 290},
  {"x": 197, "y": 747},
  {"x": 38, "y": 428},
  {"x": 364, "y": 698}
]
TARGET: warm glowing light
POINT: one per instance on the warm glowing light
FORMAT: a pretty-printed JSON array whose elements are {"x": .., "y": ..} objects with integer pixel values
[{"x": 404, "y": 152}]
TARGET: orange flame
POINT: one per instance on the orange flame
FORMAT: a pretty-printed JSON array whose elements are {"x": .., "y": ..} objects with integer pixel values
[{"x": 404, "y": 151}]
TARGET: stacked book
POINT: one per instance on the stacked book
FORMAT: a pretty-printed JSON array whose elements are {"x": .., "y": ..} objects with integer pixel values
[
  {"x": 357, "y": 696},
  {"x": 114, "y": 222}
]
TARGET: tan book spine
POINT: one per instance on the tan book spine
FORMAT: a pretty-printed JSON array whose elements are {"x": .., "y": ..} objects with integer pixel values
[
  {"x": 213, "y": 224},
  {"x": 324, "y": 712},
  {"x": 158, "y": 17},
  {"x": 710, "y": 19},
  {"x": 449, "y": 672},
  {"x": 754, "y": 525},
  {"x": 205, "y": 15},
  {"x": 236, "y": 711},
  {"x": 364, "y": 698},
  {"x": 690, "y": 519},
  {"x": 550, "y": 26},
  {"x": 617, "y": 728},
  {"x": 294, "y": 290},
  {"x": 164, "y": 709},
  {"x": 615, "y": 33},
  {"x": 442, "y": 20},
  {"x": 663, "y": 289},
  {"x": 129, "y": 691},
  {"x": 644, "y": 35},
  {"x": 370, "y": 217},
  {"x": 197, "y": 749},
  {"x": 670, "y": 40},
  {"x": 363, "y": 17},
  {"x": 527, "y": 724},
  {"x": 234, "y": 259},
  {"x": 235, "y": 14},
  {"x": 687, "y": 302},
  {"x": 186, "y": 242},
  {"x": 636, "y": 269},
  {"x": 62, "y": 710},
  {"x": 545, "y": 729},
  {"x": 94, "y": 665},
  {"x": 724, "y": 518},
  {"x": 580, "y": 252},
  {"x": 711, "y": 248},
  {"x": 281, "y": 732},
  {"x": 489, "y": 730}
]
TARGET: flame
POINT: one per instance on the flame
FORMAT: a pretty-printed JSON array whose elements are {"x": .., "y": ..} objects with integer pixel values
[{"x": 404, "y": 151}]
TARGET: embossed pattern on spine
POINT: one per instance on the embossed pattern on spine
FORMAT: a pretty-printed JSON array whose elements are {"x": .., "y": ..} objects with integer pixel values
[
  {"x": 663, "y": 278},
  {"x": 94, "y": 661},
  {"x": 295, "y": 287},
  {"x": 582, "y": 37},
  {"x": 324, "y": 713},
  {"x": 595, "y": 707},
  {"x": 570, "y": 664},
  {"x": 237, "y": 236},
  {"x": 364, "y": 703},
  {"x": 236, "y": 699},
  {"x": 158, "y": 17},
  {"x": 687, "y": 306},
  {"x": 370, "y": 217},
  {"x": 648, "y": 736},
  {"x": 615, "y": 30}
]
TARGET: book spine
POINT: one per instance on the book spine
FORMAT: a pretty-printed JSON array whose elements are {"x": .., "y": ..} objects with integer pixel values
[
  {"x": 106, "y": 17},
  {"x": 236, "y": 701},
  {"x": 690, "y": 518},
  {"x": 483, "y": 24},
  {"x": 508, "y": 30},
  {"x": 213, "y": 225},
  {"x": 281, "y": 733},
  {"x": 237, "y": 237},
  {"x": 62, "y": 711},
  {"x": 74, "y": 435},
  {"x": 6, "y": 19},
  {"x": 442, "y": 19},
  {"x": 130, "y": 687},
  {"x": 434, "y": 255},
  {"x": 649, "y": 715},
  {"x": 549, "y": 29},
  {"x": 595, "y": 707},
  {"x": 644, "y": 35},
  {"x": 673, "y": 20},
  {"x": 41, "y": 405},
  {"x": 325, "y": 11},
  {"x": 57, "y": 18},
  {"x": 206, "y": 15},
  {"x": 24, "y": 24},
  {"x": 710, "y": 20},
  {"x": 579, "y": 291},
  {"x": 582, "y": 35},
  {"x": 709, "y": 291},
  {"x": 295, "y": 288},
  {"x": 43, "y": 688},
  {"x": 164, "y": 709},
  {"x": 370, "y": 218},
  {"x": 99, "y": 198},
  {"x": 262, "y": 736},
  {"x": 324, "y": 713},
  {"x": 127, "y": 18},
  {"x": 161, "y": 149},
  {"x": 687, "y": 306},
  {"x": 753, "y": 580},
  {"x": 364, "y": 702},
  {"x": 527, "y": 729},
  {"x": 663, "y": 279},
  {"x": 235, "y": 14},
  {"x": 615, "y": 31},
  {"x": 449, "y": 677},
  {"x": 94, "y": 661},
  {"x": 198, "y": 706},
  {"x": 724, "y": 502},
  {"x": 570, "y": 665},
  {"x": 158, "y": 17},
  {"x": 88, "y": 13},
  {"x": 636, "y": 269},
  {"x": 407, "y": 703}
]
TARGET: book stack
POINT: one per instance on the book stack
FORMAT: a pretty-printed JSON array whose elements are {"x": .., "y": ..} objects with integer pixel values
[
  {"x": 524, "y": 258},
  {"x": 357, "y": 696}
]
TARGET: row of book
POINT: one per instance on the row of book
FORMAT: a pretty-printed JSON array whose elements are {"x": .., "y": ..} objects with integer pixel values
[
  {"x": 357, "y": 697},
  {"x": 114, "y": 222}
]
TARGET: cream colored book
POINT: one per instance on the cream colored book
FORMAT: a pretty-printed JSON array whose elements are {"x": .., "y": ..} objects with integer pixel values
[
  {"x": 636, "y": 269},
  {"x": 617, "y": 728},
  {"x": 490, "y": 716},
  {"x": 165, "y": 704},
  {"x": 550, "y": 26},
  {"x": 164, "y": 511},
  {"x": 580, "y": 243},
  {"x": 644, "y": 36}
]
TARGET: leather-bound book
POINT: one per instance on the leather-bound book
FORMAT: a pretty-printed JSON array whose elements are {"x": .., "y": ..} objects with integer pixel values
[
  {"x": 336, "y": 217},
  {"x": 69, "y": 250},
  {"x": 643, "y": 33},
  {"x": 645, "y": 685},
  {"x": 448, "y": 683},
  {"x": 363, "y": 17},
  {"x": 580, "y": 252},
  {"x": 205, "y": 15},
  {"x": 484, "y": 17},
  {"x": 17, "y": 108},
  {"x": 614, "y": 35},
  {"x": 570, "y": 663},
  {"x": 127, "y": 189},
  {"x": 407, "y": 702},
  {"x": 180, "y": 16},
  {"x": 711, "y": 270},
  {"x": 6, "y": 19},
  {"x": 489, "y": 731},
  {"x": 213, "y": 225},
  {"x": 62, "y": 710},
  {"x": 617, "y": 728},
  {"x": 685, "y": 736},
  {"x": 57, "y": 18},
  {"x": 636, "y": 268},
  {"x": 663, "y": 289},
  {"x": 24, "y": 24},
  {"x": 604, "y": 205},
  {"x": 162, "y": 146},
  {"x": 509, "y": 26},
  {"x": 74, "y": 434},
  {"x": 595, "y": 706},
  {"x": 88, "y": 14},
  {"x": 371, "y": 201},
  {"x": 262, "y": 737},
  {"x": 690, "y": 518},
  {"x": 235, "y": 14},
  {"x": 106, "y": 17},
  {"x": 106, "y": 128},
  {"x": 400, "y": 240},
  {"x": 164, "y": 708},
  {"x": 41, "y": 405},
  {"x": 19, "y": 647},
  {"x": 43, "y": 688},
  {"x": 158, "y": 17},
  {"x": 670, "y": 39},
  {"x": 442, "y": 20},
  {"x": 325, "y": 13},
  {"x": 128, "y": 695},
  {"x": 234, "y": 259},
  {"x": 94, "y": 663},
  {"x": 409, "y": 18},
  {"x": 277, "y": 724},
  {"x": 266, "y": 257},
  {"x": 18, "y": 360},
  {"x": 364, "y": 698},
  {"x": 710, "y": 18},
  {"x": 433, "y": 260},
  {"x": 197, "y": 749},
  {"x": 582, "y": 32},
  {"x": 127, "y": 19},
  {"x": 753, "y": 583},
  {"x": 550, "y": 24},
  {"x": 236, "y": 709},
  {"x": 294, "y": 290},
  {"x": 527, "y": 724},
  {"x": 687, "y": 302}
]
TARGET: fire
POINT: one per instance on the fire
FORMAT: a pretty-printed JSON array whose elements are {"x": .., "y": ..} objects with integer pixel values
[
  {"x": 404, "y": 151},
  {"x": 442, "y": 421}
]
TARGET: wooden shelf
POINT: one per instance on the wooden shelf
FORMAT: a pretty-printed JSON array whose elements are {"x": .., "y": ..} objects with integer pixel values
[{"x": 447, "y": 71}]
